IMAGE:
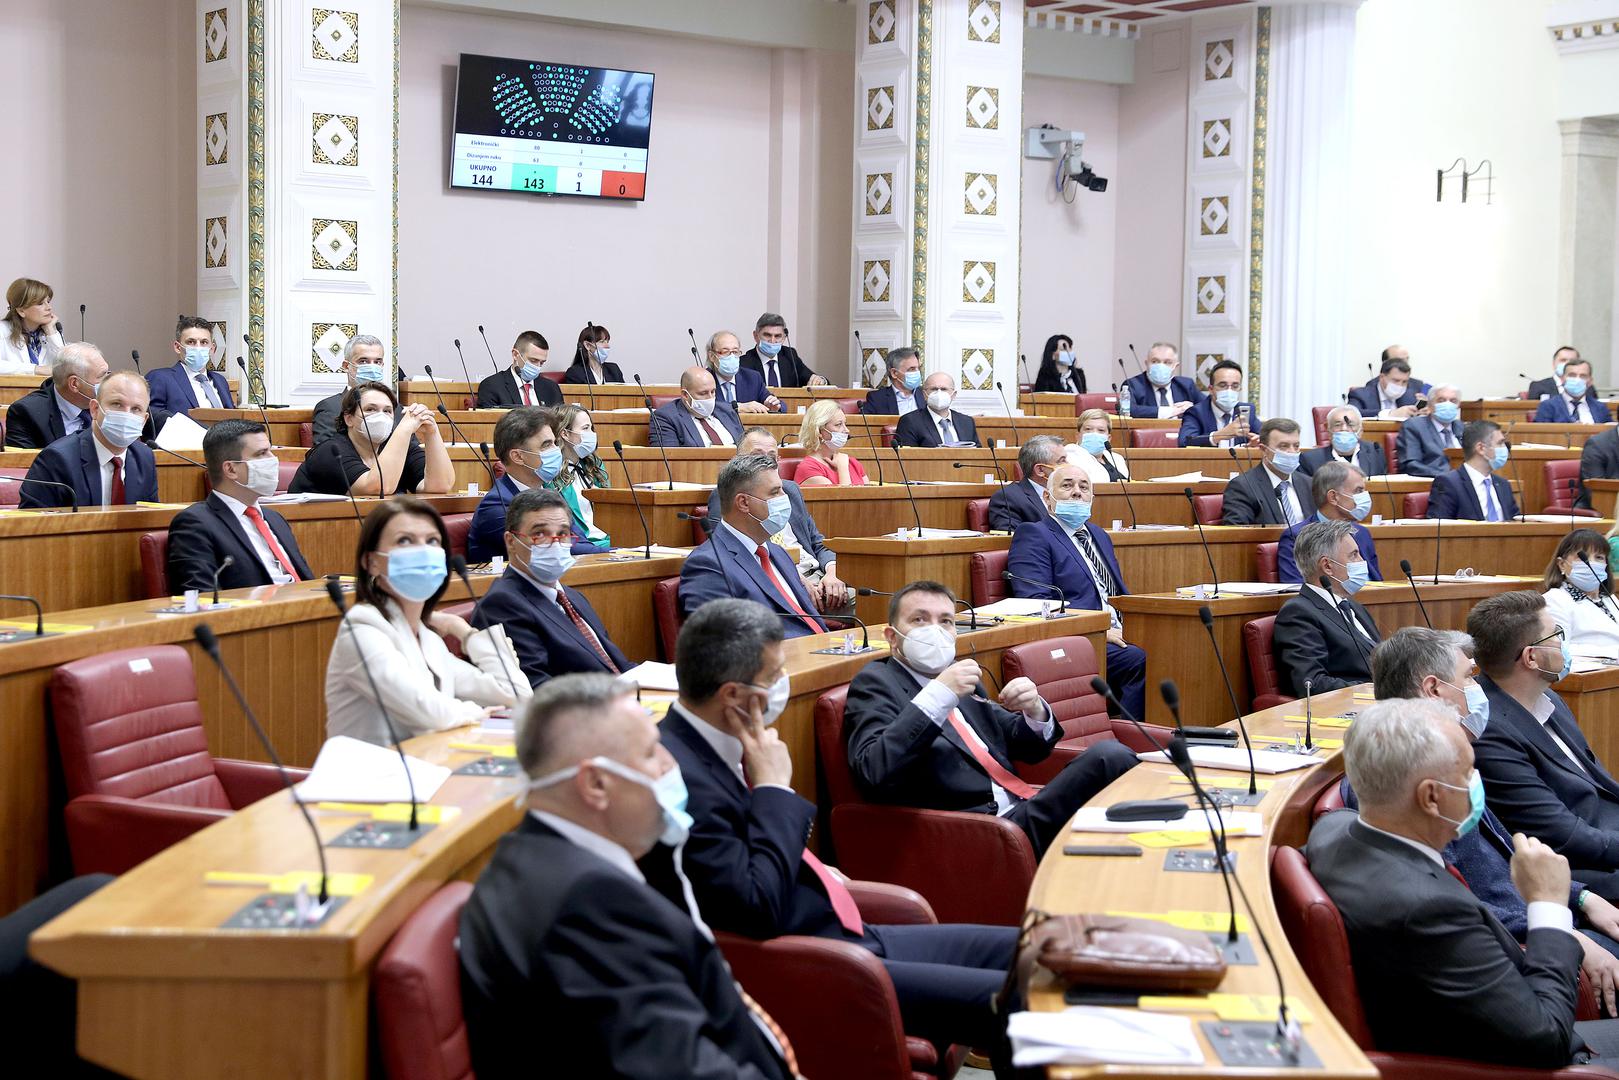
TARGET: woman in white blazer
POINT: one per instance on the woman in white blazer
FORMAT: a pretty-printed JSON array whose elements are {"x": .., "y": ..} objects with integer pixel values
[
  {"x": 1579, "y": 594},
  {"x": 29, "y": 340},
  {"x": 400, "y": 573},
  {"x": 1101, "y": 465}
]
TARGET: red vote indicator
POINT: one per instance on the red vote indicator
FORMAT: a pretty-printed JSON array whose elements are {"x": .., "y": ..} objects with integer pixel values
[{"x": 623, "y": 185}]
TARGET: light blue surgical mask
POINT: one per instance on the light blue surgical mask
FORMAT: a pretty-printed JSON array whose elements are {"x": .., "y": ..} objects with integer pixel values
[
  {"x": 548, "y": 562},
  {"x": 779, "y": 511},
  {"x": 602, "y": 353},
  {"x": 769, "y": 348},
  {"x": 368, "y": 373},
  {"x": 1345, "y": 442},
  {"x": 1575, "y": 385},
  {"x": 1285, "y": 461},
  {"x": 1561, "y": 673},
  {"x": 1228, "y": 399},
  {"x": 1446, "y": 412},
  {"x": 196, "y": 357},
  {"x": 669, "y": 790},
  {"x": 1475, "y": 804},
  {"x": 121, "y": 428},
  {"x": 1065, "y": 359},
  {"x": 1498, "y": 459},
  {"x": 586, "y": 445},
  {"x": 550, "y": 463},
  {"x": 529, "y": 371},
  {"x": 913, "y": 379},
  {"x": 416, "y": 572},
  {"x": 1073, "y": 513},
  {"x": 1362, "y": 505},
  {"x": 1159, "y": 374},
  {"x": 1588, "y": 577},
  {"x": 1478, "y": 707},
  {"x": 1356, "y": 576},
  {"x": 1093, "y": 442},
  {"x": 728, "y": 364}
]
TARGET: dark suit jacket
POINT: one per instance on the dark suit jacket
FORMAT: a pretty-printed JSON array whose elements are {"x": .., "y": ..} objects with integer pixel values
[
  {"x": 1437, "y": 973},
  {"x": 327, "y": 419},
  {"x": 1599, "y": 460},
  {"x": 1542, "y": 388},
  {"x": 899, "y": 756},
  {"x": 673, "y": 425},
  {"x": 1288, "y": 570},
  {"x": 1372, "y": 460},
  {"x": 723, "y": 567},
  {"x": 1420, "y": 449},
  {"x": 1053, "y": 381},
  {"x": 33, "y": 421},
  {"x": 579, "y": 372},
  {"x": 545, "y": 640},
  {"x": 486, "y": 538},
  {"x": 792, "y": 368},
  {"x": 921, "y": 428},
  {"x": 173, "y": 390},
  {"x": 804, "y": 528},
  {"x": 1554, "y": 410},
  {"x": 1042, "y": 552},
  {"x": 1013, "y": 505},
  {"x": 554, "y": 931},
  {"x": 201, "y": 535},
  {"x": 1251, "y": 499},
  {"x": 884, "y": 401},
  {"x": 500, "y": 390},
  {"x": 72, "y": 461},
  {"x": 1368, "y": 398},
  {"x": 750, "y": 386},
  {"x": 1200, "y": 421},
  {"x": 1453, "y": 496},
  {"x": 1144, "y": 395},
  {"x": 1535, "y": 789},
  {"x": 1313, "y": 643}
]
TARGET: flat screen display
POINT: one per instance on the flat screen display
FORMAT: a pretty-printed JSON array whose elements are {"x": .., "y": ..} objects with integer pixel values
[{"x": 551, "y": 129}]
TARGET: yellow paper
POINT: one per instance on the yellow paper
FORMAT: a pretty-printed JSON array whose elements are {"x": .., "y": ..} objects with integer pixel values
[
  {"x": 1210, "y": 922},
  {"x": 342, "y": 884},
  {"x": 1236, "y": 1008},
  {"x": 493, "y": 749},
  {"x": 1365, "y": 697},
  {"x": 1319, "y": 743},
  {"x": 162, "y": 505},
  {"x": 1169, "y": 838},
  {"x": 50, "y": 627},
  {"x": 1226, "y": 782},
  {"x": 657, "y": 707},
  {"x": 396, "y": 811},
  {"x": 1322, "y": 721}
]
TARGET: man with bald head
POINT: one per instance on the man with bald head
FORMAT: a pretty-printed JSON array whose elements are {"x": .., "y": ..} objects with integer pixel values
[
  {"x": 563, "y": 929},
  {"x": 105, "y": 464},
  {"x": 938, "y": 424},
  {"x": 741, "y": 388},
  {"x": 62, "y": 407},
  {"x": 697, "y": 417}
]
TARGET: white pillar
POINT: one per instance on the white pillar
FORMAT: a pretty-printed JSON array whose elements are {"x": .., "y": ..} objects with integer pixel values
[{"x": 1588, "y": 240}]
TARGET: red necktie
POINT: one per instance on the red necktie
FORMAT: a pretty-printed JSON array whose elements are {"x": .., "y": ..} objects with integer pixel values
[
  {"x": 263, "y": 526},
  {"x": 527, "y": 399},
  {"x": 584, "y": 629},
  {"x": 843, "y": 905},
  {"x": 708, "y": 429},
  {"x": 117, "y": 496},
  {"x": 786, "y": 593},
  {"x": 1457, "y": 874},
  {"x": 986, "y": 760}
]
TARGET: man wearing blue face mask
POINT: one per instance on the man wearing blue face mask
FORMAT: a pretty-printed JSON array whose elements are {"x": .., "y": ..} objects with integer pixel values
[
  {"x": 741, "y": 388},
  {"x": 1274, "y": 492},
  {"x": 1472, "y": 491},
  {"x": 1340, "y": 495},
  {"x": 1324, "y": 637},
  {"x": 697, "y": 418},
  {"x": 1025, "y": 500},
  {"x": 188, "y": 384},
  {"x": 1542, "y": 388},
  {"x": 529, "y": 451},
  {"x": 1576, "y": 401},
  {"x": 1420, "y": 448},
  {"x": 1160, "y": 391},
  {"x": 552, "y": 628},
  {"x": 1344, "y": 444},
  {"x": 1222, "y": 418},
  {"x": 903, "y": 394},
  {"x": 521, "y": 384},
  {"x": 105, "y": 464},
  {"x": 774, "y": 358},
  {"x": 362, "y": 362}
]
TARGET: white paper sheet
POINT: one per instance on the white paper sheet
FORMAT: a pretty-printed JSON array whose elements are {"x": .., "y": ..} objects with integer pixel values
[
  {"x": 1083, "y": 1034},
  {"x": 352, "y": 770},
  {"x": 1235, "y": 758}
]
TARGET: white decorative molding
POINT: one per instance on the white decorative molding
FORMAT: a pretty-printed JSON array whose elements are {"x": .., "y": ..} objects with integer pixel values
[
  {"x": 1583, "y": 25},
  {"x": 1083, "y": 24}
]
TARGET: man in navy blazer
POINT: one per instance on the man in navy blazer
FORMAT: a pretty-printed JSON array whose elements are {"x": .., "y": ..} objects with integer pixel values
[
  {"x": 1393, "y": 394},
  {"x": 1325, "y": 637},
  {"x": 227, "y": 524},
  {"x": 904, "y": 370},
  {"x": 1541, "y": 388},
  {"x": 697, "y": 418},
  {"x": 933, "y": 425},
  {"x": 184, "y": 385},
  {"x": 773, "y": 359},
  {"x": 523, "y": 437},
  {"x": 1462, "y": 492},
  {"x": 1025, "y": 500},
  {"x": 1344, "y": 427},
  {"x": 1274, "y": 492},
  {"x": 1424, "y": 439},
  {"x": 1576, "y": 400},
  {"x": 531, "y": 602},
  {"x": 60, "y": 407},
  {"x": 1158, "y": 391},
  {"x": 1340, "y": 495},
  {"x": 743, "y": 389},
  {"x": 103, "y": 457},
  {"x": 754, "y": 506},
  {"x": 1221, "y": 418}
]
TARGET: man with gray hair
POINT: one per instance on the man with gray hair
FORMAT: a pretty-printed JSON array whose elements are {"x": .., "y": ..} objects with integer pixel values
[
  {"x": 739, "y": 387},
  {"x": 774, "y": 358},
  {"x": 362, "y": 362},
  {"x": 1340, "y": 495},
  {"x": 61, "y": 407},
  {"x": 1025, "y": 500},
  {"x": 697, "y": 418},
  {"x": 1160, "y": 391},
  {"x": 1424, "y": 438},
  {"x": 903, "y": 394},
  {"x": 1324, "y": 638},
  {"x": 1436, "y": 972},
  {"x": 1345, "y": 445}
]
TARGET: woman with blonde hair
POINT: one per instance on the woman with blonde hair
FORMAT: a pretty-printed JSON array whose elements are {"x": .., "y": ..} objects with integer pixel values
[
  {"x": 823, "y": 433},
  {"x": 1092, "y": 452},
  {"x": 582, "y": 469},
  {"x": 29, "y": 339}
]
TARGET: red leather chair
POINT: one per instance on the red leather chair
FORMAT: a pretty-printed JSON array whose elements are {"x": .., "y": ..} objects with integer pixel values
[
  {"x": 135, "y": 759},
  {"x": 1414, "y": 505},
  {"x": 1330, "y": 799},
  {"x": 1154, "y": 438},
  {"x": 1267, "y": 557},
  {"x": 1562, "y": 483},
  {"x": 922, "y": 849},
  {"x": 554, "y": 376},
  {"x": 463, "y": 608},
  {"x": 978, "y": 515},
  {"x": 984, "y": 571},
  {"x": 10, "y": 494},
  {"x": 154, "y": 551},
  {"x": 660, "y": 400},
  {"x": 850, "y": 406},
  {"x": 416, "y": 993},
  {"x": 284, "y": 475},
  {"x": 1258, "y": 644},
  {"x": 788, "y": 468},
  {"x": 1391, "y": 449},
  {"x": 888, "y": 433},
  {"x": 458, "y": 526},
  {"x": 306, "y": 435},
  {"x": 1208, "y": 508},
  {"x": 1106, "y": 402},
  {"x": 1318, "y": 414},
  {"x": 666, "y": 610},
  {"x": 699, "y": 519}
]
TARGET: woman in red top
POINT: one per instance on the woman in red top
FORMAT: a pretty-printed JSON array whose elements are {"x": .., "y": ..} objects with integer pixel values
[{"x": 824, "y": 431}]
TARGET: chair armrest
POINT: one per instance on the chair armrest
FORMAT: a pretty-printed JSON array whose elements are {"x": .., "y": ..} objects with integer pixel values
[
  {"x": 925, "y": 850},
  {"x": 1126, "y": 733},
  {"x": 890, "y": 905},
  {"x": 246, "y": 782},
  {"x": 109, "y": 834}
]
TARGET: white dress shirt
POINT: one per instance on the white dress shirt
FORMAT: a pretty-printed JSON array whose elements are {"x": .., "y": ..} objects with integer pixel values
[
  {"x": 72, "y": 415},
  {"x": 1485, "y": 490},
  {"x": 267, "y": 559},
  {"x": 105, "y": 458},
  {"x": 726, "y": 745},
  {"x": 1590, "y": 625},
  {"x": 202, "y": 388},
  {"x": 946, "y": 427},
  {"x": 904, "y": 400},
  {"x": 1542, "y": 712},
  {"x": 1334, "y": 599},
  {"x": 1579, "y": 409},
  {"x": 1290, "y": 497},
  {"x": 720, "y": 432}
]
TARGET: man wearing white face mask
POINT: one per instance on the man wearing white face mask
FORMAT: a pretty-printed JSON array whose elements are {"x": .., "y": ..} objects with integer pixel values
[
  {"x": 105, "y": 464},
  {"x": 562, "y": 927},
  {"x": 921, "y": 732},
  {"x": 746, "y": 856},
  {"x": 697, "y": 418},
  {"x": 938, "y": 424},
  {"x": 242, "y": 469},
  {"x": 1340, "y": 495},
  {"x": 552, "y": 628}
]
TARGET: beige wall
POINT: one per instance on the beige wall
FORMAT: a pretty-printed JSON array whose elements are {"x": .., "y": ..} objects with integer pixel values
[{"x": 101, "y": 181}]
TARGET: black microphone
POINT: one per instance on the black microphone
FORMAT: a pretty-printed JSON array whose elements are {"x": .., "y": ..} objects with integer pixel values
[
  {"x": 1309, "y": 717},
  {"x": 81, "y": 323},
  {"x": 1139, "y": 369},
  {"x": 1349, "y": 619},
  {"x": 465, "y": 374},
  {"x": 39, "y": 612},
  {"x": 247, "y": 377},
  {"x": 909, "y": 494},
  {"x": 492, "y": 361},
  {"x": 1182, "y": 758},
  {"x": 694, "y": 353},
  {"x": 668, "y": 472},
  {"x": 1123, "y": 388},
  {"x": 1405, "y": 567},
  {"x": 73, "y": 496},
  {"x": 135, "y": 355},
  {"x": 1023, "y": 365},
  {"x": 973, "y": 616},
  {"x": 1062, "y": 597},
  {"x": 1438, "y": 522},
  {"x": 702, "y": 520},
  {"x": 1191, "y": 501},
  {"x": 1000, "y": 472},
  {"x": 182, "y": 457},
  {"x": 876, "y": 446},
  {"x": 335, "y": 592},
  {"x": 1207, "y": 618},
  {"x": 224, "y": 564},
  {"x": 1123, "y": 481},
  {"x": 210, "y": 645},
  {"x": 634, "y": 496},
  {"x": 1016, "y": 438},
  {"x": 1573, "y": 494},
  {"x": 58, "y": 327},
  {"x": 459, "y": 566},
  {"x": 251, "y": 345}
]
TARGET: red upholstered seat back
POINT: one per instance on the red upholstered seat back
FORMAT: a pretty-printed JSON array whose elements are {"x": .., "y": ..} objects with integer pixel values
[
  {"x": 1105, "y": 402},
  {"x": 788, "y": 468},
  {"x": 840, "y": 785},
  {"x": 1330, "y": 799},
  {"x": 1415, "y": 505},
  {"x": 154, "y": 551},
  {"x": 1391, "y": 440},
  {"x": 1208, "y": 508},
  {"x": 554, "y": 376},
  {"x": 416, "y": 989},
  {"x": 1316, "y": 931},
  {"x": 666, "y": 609},
  {"x": 850, "y": 406},
  {"x": 660, "y": 400},
  {"x": 1063, "y": 668},
  {"x": 1258, "y": 644},
  {"x": 1266, "y": 558},
  {"x": 978, "y": 515},
  {"x": 700, "y": 524},
  {"x": 984, "y": 571},
  {"x": 306, "y": 435},
  {"x": 458, "y": 526},
  {"x": 284, "y": 475},
  {"x": 128, "y": 723},
  {"x": 11, "y": 494},
  {"x": 463, "y": 608},
  {"x": 1154, "y": 438},
  {"x": 1319, "y": 415},
  {"x": 1559, "y": 496}
]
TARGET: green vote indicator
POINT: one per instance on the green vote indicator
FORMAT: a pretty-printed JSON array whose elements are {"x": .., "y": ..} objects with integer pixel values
[{"x": 534, "y": 178}]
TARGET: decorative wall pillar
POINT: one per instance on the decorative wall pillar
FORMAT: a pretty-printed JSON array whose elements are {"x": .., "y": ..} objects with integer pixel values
[
  {"x": 221, "y": 252},
  {"x": 1588, "y": 237}
]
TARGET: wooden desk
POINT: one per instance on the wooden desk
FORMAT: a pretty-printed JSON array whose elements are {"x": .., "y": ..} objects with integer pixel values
[
  {"x": 629, "y": 426},
  {"x": 1604, "y": 496},
  {"x": 1069, "y": 885},
  {"x": 1594, "y": 699},
  {"x": 455, "y": 393},
  {"x": 1519, "y": 410},
  {"x": 284, "y": 422},
  {"x": 15, "y": 387},
  {"x": 1526, "y": 468}
]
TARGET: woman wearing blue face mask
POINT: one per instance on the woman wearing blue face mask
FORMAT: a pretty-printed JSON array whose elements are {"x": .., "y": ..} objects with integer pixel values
[
  {"x": 1059, "y": 368},
  {"x": 392, "y": 642},
  {"x": 582, "y": 470},
  {"x": 590, "y": 353},
  {"x": 1579, "y": 594},
  {"x": 1093, "y": 452}
]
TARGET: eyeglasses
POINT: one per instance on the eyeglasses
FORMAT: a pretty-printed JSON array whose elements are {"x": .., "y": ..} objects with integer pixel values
[
  {"x": 536, "y": 540},
  {"x": 1554, "y": 636}
]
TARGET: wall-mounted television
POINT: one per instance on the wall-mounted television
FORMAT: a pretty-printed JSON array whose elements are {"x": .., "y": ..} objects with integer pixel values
[{"x": 551, "y": 129}]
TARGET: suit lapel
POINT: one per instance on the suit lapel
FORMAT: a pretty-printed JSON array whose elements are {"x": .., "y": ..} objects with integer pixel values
[
  {"x": 1065, "y": 546},
  {"x": 234, "y": 528},
  {"x": 748, "y": 558},
  {"x": 1469, "y": 492},
  {"x": 1536, "y": 733},
  {"x": 90, "y": 465}
]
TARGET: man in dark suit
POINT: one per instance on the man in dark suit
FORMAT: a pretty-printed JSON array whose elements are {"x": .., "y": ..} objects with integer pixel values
[
  {"x": 1424, "y": 947},
  {"x": 746, "y": 856},
  {"x": 1025, "y": 500},
  {"x": 1340, "y": 494},
  {"x": 362, "y": 362},
  {"x": 1393, "y": 394},
  {"x": 188, "y": 383},
  {"x": 1424, "y": 438},
  {"x": 1324, "y": 637},
  {"x": 562, "y": 928},
  {"x": 1472, "y": 491},
  {"x": 903, "y": 394},
  {"x": 776, "y": 360},
  {"x": 105, "y": 464},
  {"x": 1158, "y": 391},
  {"x": 697, "y": 418},
  {"x": 938, "y": 424},
  {"x": 520, "y": 384},
  {"x": 1069, "y": 553},
  {"x": 1599, "y": 460},
  {"x": 922, "y": 733},
  {"x": 1575, "y": 401},
  {"x": 739, "y": 559},
  {"x": 743, "y": 389},
  {"x": 242, "y": 469},
  {"x": 1274, "y": 492},
  {"x": 1542, "y": 388},
  {"x": 553, "y": 629},
  {"x": 1346, "y": 446},
  {"x": 62, "y": 406},
  {"x": 530, "y": 455},
  {"x": 1222, "y": 417}
]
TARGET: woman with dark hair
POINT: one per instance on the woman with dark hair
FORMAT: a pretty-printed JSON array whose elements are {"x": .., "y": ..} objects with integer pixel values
[
  {"x": 1579, "y": 594},
  {"x": 390, "y": 652},
  {"x": 376, "y": 452},
  {"x": 590, "y": 353},
  {"x": 1059, "y": 371}
]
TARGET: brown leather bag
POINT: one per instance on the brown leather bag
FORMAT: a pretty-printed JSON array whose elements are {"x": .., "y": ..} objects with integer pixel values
[{"x": 1118, "y": 952}]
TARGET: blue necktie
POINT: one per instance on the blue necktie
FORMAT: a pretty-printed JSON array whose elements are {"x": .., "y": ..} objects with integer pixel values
[{"x": 1492, "y": 512}]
